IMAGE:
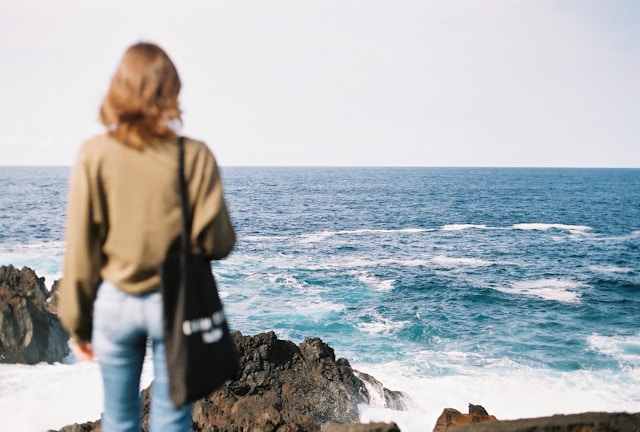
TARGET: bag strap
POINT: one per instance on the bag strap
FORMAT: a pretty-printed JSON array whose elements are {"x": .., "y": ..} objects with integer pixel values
[{"x": 185, "y": 236}]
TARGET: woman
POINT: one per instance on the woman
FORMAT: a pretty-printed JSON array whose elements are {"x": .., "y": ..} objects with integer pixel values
[{"x": 123, "y": 215}]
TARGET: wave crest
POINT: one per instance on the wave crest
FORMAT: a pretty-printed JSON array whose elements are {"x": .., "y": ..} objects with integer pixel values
[
  {"x": 573, "y": 229},
  {"x": 460, "y": 227},
  {"x": 546, "y": 289}
]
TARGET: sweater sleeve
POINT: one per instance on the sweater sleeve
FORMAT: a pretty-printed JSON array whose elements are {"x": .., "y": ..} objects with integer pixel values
[
  {"x": 212, "y": 230},
  {"x": 85, "y": 230}
]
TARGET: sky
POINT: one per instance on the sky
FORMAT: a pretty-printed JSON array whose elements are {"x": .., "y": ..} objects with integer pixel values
[{"x": 533, "y": 83}]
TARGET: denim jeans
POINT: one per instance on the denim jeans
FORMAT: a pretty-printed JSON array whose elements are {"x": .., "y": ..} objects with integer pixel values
[{"x": 122, "y": 323}]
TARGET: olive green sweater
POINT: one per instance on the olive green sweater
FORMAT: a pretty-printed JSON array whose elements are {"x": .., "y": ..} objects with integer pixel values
[{"x": 124, "y": 214}]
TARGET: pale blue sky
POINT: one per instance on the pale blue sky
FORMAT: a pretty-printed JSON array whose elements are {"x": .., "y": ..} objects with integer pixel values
[{"x": 340, "y": 82}]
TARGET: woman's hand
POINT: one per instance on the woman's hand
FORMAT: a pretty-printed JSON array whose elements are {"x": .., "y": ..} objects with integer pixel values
[{"x": 82, "y": 350}]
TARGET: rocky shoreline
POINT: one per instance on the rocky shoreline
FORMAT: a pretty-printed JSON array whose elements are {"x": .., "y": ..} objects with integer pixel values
[
  {"x": 30, "y": 331},
  {"x": 282, "y": 387}
]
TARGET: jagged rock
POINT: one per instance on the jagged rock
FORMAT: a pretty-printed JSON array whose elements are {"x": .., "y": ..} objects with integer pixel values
[
  {"x": 29, "y": 333},
  {"x": 282, "y": 387},
  {"x": 452, "y": 417},
  {"x": 585, "y": 422}
]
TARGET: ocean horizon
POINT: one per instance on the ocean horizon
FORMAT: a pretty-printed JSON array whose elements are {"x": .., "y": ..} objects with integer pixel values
[
  {"x": 223, "y": 166},
  {"x": 510, "y": 287}
]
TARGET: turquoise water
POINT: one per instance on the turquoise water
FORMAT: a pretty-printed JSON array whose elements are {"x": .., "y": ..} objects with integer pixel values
[
  {"x": 515, "y": 288},
  {"x": 518, "y": 264}
]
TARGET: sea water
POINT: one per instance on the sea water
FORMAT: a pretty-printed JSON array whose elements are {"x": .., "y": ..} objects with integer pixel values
[{"x": 517, "y": 289}]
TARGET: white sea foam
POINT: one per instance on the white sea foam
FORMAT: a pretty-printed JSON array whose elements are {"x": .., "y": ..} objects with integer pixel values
[
  {"x": 35, "y": 247},
  {"x": 623, "y": 348},
  {"x": 259, "y": 238},
  {"x": 508, "y": 393},
  {"x": 64, "y": 393},
  {"x": 618, "y": 238},
  {"x": 400, "y": 263},
  {"x": 378, "y": 327},
  {"x": 315, "y": 306},
  {"x": 439, "y": 259},
  {"x": 359, "y": 262},
  {"x": 323, "y": 235},
  {"x": 316, "y": 237},
  {"x": 383, "y": 231},
  {"x": 611, "y": 269},
  {"x": 354, "y": 263},
  {"x": 377, "y": 283},
  {"x": 460, "y": 227},
  {"x": 548, "y": 289},
  {"x": 381, "y": 325},
  {"x": 451, "y": 261},
  {"x": 286, "y": 280},
  {"x": 411, "y": 263},
  {"x": 414, "y": 230},
  {"x": 573, "y": 229}
]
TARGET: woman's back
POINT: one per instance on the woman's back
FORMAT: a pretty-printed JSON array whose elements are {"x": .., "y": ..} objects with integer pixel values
[
  {"x": 123, "y": 219},
  {"x": 132, "y": 204}
]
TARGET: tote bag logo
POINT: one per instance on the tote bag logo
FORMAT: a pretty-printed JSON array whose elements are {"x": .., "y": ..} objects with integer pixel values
[{"x": 210, "y": 327}]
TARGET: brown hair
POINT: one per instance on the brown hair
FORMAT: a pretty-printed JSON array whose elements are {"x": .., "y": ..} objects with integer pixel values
[{"x": 142, "y": 101}]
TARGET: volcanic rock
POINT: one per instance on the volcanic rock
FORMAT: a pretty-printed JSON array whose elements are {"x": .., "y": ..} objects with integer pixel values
[
  {"x": 585, "y": 422},
  {"x": 283, "y": 387},
  {"x": 29, "y": 333},
  {"x": 452, "y": 417}
]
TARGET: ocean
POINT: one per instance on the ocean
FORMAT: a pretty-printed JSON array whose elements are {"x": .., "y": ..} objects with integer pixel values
[{"x": 514, "y": 288}]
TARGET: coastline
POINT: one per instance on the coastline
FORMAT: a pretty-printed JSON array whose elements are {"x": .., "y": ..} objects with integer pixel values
[{"x": 69, "y": 392}]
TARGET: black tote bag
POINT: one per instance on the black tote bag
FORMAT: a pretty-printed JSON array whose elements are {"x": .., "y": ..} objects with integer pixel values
[{"x": 201, "y": 354}]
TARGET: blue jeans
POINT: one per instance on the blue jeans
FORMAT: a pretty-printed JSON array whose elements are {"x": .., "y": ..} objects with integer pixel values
[{"x": 121, "y": 325}]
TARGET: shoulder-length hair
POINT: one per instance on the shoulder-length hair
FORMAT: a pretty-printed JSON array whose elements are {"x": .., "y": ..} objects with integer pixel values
[{"x": 141, "y": 104}]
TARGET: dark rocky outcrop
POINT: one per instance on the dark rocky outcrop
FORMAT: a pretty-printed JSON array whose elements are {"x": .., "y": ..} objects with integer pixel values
[
  {"x": 29, "y": 333},
  {"x": 452, "y": 417},
  {"x": 283, "y": 387},
  {"x": 585, "y": 422},
  {"x": 478, "y": 420}
]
